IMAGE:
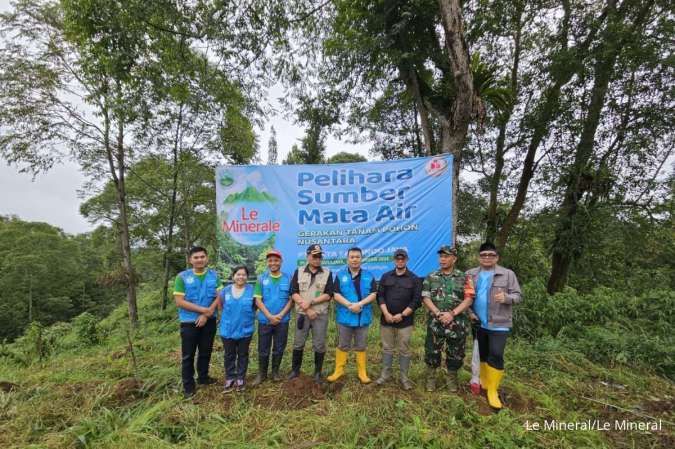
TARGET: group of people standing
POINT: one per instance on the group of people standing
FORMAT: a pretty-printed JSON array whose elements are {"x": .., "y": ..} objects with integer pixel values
[{"x": 478, "y": 302}]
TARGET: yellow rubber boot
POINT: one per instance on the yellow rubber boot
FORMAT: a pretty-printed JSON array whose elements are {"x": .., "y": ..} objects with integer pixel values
[
  {"x": 483, "y": 375},
  {"x": 361, "y": 367},
  {"x": 340, "y": 362},
  {"x": 494, "y": 377}
]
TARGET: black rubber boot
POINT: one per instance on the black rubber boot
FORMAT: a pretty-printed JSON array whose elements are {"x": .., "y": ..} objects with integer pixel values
[
  {"x": 296, "y": 364},
  {"x": 318, "y": 365},
  {"x": 276, "y": 363},
  {"x": 261, "y": 377}
]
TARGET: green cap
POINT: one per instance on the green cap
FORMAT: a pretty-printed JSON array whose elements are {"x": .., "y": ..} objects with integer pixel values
[{"x": 449, "y": 250}]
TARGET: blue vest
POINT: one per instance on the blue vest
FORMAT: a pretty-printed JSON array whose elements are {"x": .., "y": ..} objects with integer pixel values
[
  {"x": 274, "y": 295},
  {"x": 197, "y": 292},
  {"x": 238, "y": 314},
  {"x": 347, "y": 289}
]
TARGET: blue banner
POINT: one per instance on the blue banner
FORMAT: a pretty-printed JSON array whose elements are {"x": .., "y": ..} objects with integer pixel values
[{"x": 377, "y": 206}]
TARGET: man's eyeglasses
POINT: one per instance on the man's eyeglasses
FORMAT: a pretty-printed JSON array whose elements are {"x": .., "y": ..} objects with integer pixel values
[{"x": 487, "y": 255}]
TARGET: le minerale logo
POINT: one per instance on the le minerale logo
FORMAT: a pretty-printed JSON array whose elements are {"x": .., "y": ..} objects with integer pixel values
[
  {"x": 359, "y": 190},
  {"x": 250, "y": 215}
]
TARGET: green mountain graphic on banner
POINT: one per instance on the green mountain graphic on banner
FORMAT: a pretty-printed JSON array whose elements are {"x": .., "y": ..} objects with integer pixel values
[{"x": 250, "y": 194}]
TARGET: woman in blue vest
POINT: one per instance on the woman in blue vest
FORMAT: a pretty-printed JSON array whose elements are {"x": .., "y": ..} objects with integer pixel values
[
  {"x": 272, "y": 298},
  {"x": 236, "y": 327},
  {"x": 354, "y": 291}
]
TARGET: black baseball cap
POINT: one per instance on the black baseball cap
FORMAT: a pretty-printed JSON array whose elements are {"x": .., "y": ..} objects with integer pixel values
[
  {"x": 488, "y": 246},
  {"x": 314, "y": 249},
  {"x": 400, "y": 253}
]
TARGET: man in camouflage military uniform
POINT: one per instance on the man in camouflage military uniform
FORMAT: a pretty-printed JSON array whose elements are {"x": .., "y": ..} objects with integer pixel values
[{"x": 446, "y": 293}]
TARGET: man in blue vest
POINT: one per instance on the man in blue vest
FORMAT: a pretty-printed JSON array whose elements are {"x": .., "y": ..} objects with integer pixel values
[
  {"x": 272, "y": 297},
  {"x": 354, "y": 289},
  {"x": 195, "y": 292}
]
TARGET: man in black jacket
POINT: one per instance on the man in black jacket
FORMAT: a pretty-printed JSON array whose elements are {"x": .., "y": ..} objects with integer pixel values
[{"x": 398, "y": 295}]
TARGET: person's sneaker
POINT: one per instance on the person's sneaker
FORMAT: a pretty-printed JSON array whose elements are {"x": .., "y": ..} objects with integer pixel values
[
  {"x": 229, "y": 386},
  {"x": 475, "y": 388},
  {"x": 208, "y": 381},
  {"x": 406, "y": 384},
  {"x": 431, "y": 384},
  {"x": 241, "y": 385}
]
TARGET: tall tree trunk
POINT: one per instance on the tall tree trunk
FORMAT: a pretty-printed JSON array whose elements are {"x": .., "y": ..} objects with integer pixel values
[
  {"x": 569, "y": 237},
  {"x": 30, "y": 298},
  {"x": 446, "y": 142},
  {"x": 116, "y": 161},
  {"x": 547, "y": 110},
  {"x": 419, "y": 146},
  {"x": 187, "y": 231},
  {"x": 456, "y": 126},
  {"x": 495, "y": 181},
  {"x": 409, "y": 75},
  {"x": 172, "y": 209},
  {"x": 569, "y": 241},
  {"x": 540, "y": 131},
  {"x": 460, "y": 66},
  {"x": 120, "y": 188}
]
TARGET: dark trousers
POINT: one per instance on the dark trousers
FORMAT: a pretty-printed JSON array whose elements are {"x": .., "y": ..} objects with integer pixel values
[
  {"x": 193, "y": 338},
  {"x": 236, "y": 357},
  {"x": 272, "y": 338},
  {"x": 491, "y": 345}
]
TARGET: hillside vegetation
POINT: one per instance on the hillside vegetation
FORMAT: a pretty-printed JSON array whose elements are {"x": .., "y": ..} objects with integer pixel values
[{"x": 92, "y": 384}]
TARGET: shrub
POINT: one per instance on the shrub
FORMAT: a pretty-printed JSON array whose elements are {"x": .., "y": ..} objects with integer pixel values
[
  {"x": 606, "y": 325},
  {"x": 86, "y": 329}
]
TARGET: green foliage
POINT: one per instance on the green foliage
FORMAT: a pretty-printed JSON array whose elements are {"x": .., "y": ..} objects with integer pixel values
[
  {"x": 34, "y": 344},
  {"x": 345, "y": 157},
  {"x": 86, "y": 329},
  {"x": 489, "y": 87},
  {"x": 85, "y": 396},
  {"x": 392, "y": 124},
  {"x": 107, "y": 83},
  {"x": 313, "y": 144},
  {"x": 470, "y": 212},
  {"x": 238, "y": 141},
  {"x": 632, "y": 252},
  {"x": 295, "y": 156},
  {"x": 163, "y": 88},
  {"x": 47, "y": 276},
  {"x": 149, "y": 194},
  {"x": 608, "y": 326}
]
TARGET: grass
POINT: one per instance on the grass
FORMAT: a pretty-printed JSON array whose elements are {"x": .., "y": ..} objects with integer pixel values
[{"x": 91, "y": 397}]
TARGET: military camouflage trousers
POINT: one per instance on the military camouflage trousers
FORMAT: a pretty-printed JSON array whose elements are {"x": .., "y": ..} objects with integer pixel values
[{"x": 453, "y": 340}]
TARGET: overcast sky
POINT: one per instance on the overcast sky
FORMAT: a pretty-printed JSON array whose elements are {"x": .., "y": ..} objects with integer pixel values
[{"x": 53, "y": 197}]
